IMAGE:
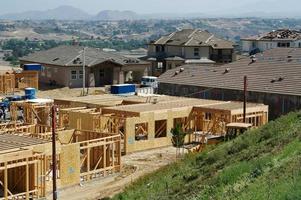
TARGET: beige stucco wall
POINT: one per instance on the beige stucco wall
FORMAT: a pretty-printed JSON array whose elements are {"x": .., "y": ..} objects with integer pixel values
[
  {"x": 151, "y": 50},
  {"x": 203, "y": 52},
  {"x": 173, "y": 64},
  {"x": 114, "y": 74},
  {"x": 173, "y": 51}
]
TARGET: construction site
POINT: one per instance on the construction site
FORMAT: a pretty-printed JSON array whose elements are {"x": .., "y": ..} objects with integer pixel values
[{"x": 93, "y": 133}]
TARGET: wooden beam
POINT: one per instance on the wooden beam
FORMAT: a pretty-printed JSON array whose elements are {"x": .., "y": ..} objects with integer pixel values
[
  {"x": 27, "y": 179},
  {"x": 5, "y": 181}
]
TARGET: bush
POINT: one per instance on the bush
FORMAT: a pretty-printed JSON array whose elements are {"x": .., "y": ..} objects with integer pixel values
[{"x": 178, "y": 136}]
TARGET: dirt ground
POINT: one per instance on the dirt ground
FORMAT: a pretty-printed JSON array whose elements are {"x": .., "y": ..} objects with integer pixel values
[{"x": 134, "y": 166}]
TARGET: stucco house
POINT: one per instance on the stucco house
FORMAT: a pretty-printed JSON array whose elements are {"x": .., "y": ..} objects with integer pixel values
[
  {"x": 273, "y": 79},
  {"x": 273, "y": 39},
  {"x": 188, "y": 46},
  {"x": 64, "y": 66}
]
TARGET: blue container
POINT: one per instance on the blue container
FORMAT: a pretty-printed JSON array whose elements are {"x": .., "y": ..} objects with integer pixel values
[
  {"x": 32, "y": 67},
  {"x": 123, "y": 89},
  {"x": 30, "y": 93},
  {"x": 13, "y": 98}
]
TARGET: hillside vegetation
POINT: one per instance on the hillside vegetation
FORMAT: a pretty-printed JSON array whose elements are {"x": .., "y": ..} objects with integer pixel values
[{"x": 261, "y": 164}]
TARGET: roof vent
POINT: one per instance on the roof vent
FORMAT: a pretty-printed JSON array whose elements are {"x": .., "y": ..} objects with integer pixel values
[
  {"x": 182, "y": 69},
  {"x": 176, "y": 73},
  {"x": 55, "y": 59},
  {"x": 273, "y": 80},
  {"x": 280, "y": 78},
  {"x": 227, "y": 70},
  {"x": 253, "y": 59}
]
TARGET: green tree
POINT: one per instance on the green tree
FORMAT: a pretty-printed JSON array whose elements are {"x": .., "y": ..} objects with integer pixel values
[{"x": 178, "y": 136}]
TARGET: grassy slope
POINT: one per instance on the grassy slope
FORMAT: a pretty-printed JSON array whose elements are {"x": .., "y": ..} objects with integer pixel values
[{"x": 261, "y": 164}]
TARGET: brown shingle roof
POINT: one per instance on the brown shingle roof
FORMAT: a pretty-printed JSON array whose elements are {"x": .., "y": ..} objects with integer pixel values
[
  {"x": 274, "y": 71},
  {"x": 72, "y": 56},
  {"x": 194, "y": 37}
]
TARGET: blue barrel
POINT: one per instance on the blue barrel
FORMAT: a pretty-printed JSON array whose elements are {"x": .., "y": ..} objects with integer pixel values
[
  {"x": 32, "y": 67},
  {"x": 123, "y": 89},
  {"x": 30, "y": 93}
]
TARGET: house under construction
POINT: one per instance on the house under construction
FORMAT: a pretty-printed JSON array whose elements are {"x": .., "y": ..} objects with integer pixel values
[
  {"x": 26, "y": 151},
  {"x": 145, "y": 123},
  {"x": 94, "y": 131}
]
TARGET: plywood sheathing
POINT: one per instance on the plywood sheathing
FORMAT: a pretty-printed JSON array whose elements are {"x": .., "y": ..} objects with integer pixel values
[
  {"x": 107, "y": 100},
  {"x": 27, "y": 79},
  {"x": 70, "y": 165},
  {"x": 136, "y": 120}
]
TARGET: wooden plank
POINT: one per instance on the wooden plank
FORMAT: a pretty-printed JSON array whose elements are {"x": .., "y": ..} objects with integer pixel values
[
  {"x": 27, "y": 179},
  {"x": 5, "y": 181},
  {"x": 70, "y": 165}
]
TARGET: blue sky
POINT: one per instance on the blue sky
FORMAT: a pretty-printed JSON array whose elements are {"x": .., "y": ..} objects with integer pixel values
[{"x": 155, "y": 6}]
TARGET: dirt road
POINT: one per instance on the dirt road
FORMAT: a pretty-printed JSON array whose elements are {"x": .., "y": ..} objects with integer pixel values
[{"x": 134, "y": 166}]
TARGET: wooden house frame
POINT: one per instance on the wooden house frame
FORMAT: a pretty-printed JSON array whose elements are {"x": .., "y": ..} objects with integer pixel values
[
  {"x": 33, "y": 113},
  {"x": 9, "y": 83},
  {"x": 81, "y": 156},
  {"x": 22, "y": 168},
  {"x": 146, "y": 126}
]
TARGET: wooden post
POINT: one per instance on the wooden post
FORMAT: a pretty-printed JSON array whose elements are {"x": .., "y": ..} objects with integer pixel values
[
  {"x": 27, "y": 179},
  {"x": 5, "y": 182},
  {"x": 88, "y": 162},
  {"x": 245, "y": 99},
  {"x": 104, "y": 158},
  {"x": 54, "y": 161}
]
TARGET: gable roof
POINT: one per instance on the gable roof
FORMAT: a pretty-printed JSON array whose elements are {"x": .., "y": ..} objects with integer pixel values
[
  {"x": 194, "y": 37},
  {"x": 72, "y": 56},
  {"x": 274, "y": 71},
  {"x": 278, "y": 35}
]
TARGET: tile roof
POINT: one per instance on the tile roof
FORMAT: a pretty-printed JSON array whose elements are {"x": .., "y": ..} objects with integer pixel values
[
  {"x": 72, "y": 56},
  {"x": 194, "y": 37},
  {"x": 274, "y": 71}
]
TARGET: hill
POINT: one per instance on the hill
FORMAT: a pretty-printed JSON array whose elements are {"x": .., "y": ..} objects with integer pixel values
[
  {"x": 261, "y": 164},
  {"x": 116, "y": 15},
  {"x": 59, "y": 13}
]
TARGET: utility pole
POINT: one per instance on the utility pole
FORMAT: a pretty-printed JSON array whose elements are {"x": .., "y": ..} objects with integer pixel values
[
  {"x": 84, "y": 70},
  {"x": 54, "y": 161},
  {"x": 245, "y": 98}
]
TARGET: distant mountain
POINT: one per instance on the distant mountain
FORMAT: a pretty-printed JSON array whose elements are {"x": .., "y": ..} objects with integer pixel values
[
  {"x": 72, "y": 13},
  {"x": 59, "y": 13},
  {"x": 116, "y": 15}
]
